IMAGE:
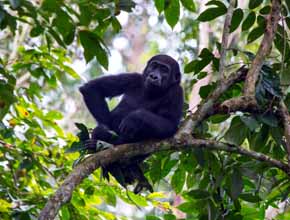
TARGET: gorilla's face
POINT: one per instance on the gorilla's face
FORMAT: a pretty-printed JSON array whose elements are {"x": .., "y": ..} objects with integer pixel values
[
  {"x": 157, "y": 75},
  {"x": 161, "y": 72}
]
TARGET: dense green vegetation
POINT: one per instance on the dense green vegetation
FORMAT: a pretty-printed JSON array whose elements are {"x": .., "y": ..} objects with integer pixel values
[{"x": 39, "y": 40}]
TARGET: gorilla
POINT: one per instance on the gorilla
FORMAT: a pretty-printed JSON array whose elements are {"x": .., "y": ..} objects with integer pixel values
[{"x": 150, "y": 108}]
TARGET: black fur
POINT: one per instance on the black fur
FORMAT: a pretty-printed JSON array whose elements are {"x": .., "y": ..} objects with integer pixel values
[{"x": 151, "y": 106}]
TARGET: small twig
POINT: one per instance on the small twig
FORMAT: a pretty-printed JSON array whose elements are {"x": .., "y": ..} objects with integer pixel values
[
  {"x": 7, "y": 145},
  {"x": 225, "y": 39},
  {"x": 286, "y": 123},
  {"x": 284, "y": 47}
]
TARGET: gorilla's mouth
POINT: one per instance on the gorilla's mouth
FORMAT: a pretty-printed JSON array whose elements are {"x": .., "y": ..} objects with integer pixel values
[{"x": 155, "y": 83}]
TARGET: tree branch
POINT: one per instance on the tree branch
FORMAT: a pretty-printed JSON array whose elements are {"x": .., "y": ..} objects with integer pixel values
[
  {"x": 208, "y": 105},
  {"x": 127, "y": 151},
  {"x": 264, "y": 49},
  {"x": 225, "y": 39},
  {"x": 286, "y": 123}
]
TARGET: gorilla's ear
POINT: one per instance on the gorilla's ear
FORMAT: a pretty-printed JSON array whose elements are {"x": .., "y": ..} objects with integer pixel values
[{"x": 176, "y": 76}]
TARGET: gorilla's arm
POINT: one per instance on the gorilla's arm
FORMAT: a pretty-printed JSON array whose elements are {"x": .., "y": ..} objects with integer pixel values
[
  {"x": 143, "y": 124},
  {"x": 95, "y": 92}
]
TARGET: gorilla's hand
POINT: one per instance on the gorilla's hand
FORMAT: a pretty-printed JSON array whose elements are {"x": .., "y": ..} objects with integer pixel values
[
  {"x": 90, "y": 144},
  {"x": 100, "y": 132},
  {"x": 131, "y": 125}
]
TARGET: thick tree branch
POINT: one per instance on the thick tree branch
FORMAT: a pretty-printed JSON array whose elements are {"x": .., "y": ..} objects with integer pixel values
[
  {"x": 225, "y": 39},
  {"x": 264, "y": 49},
  {"x": 127, "y": 151},
  {"x": 208, "y": 105}
]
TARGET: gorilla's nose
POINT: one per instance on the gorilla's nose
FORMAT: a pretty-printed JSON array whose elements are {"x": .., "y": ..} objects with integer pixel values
[{"x": 154, "y": 77}]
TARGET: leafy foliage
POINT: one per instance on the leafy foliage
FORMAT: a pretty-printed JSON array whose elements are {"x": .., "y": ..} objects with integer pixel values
[{"x": 37, "y": 152}]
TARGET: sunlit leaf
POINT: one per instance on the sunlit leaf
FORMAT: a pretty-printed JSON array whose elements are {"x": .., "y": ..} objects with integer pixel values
[
  {"x": 172, "y": 13},
  {"x": 159, "y": 4},
  {"x": 189, "y": 5},
  {"x": 254, "y": 3}
]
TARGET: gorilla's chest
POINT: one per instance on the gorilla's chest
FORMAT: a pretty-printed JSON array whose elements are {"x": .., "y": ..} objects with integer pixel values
[
  {"x": 136, "y": 102},
  {"x": 132, "y": 102}
]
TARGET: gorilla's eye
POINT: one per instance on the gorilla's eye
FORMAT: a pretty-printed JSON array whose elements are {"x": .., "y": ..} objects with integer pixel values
[
  {"x": 153, "y": 65},
  {"x": 164, "y": 69}
]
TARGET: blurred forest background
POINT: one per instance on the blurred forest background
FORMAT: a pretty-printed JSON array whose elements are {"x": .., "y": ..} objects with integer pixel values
[{"x": 48, "y": 48}]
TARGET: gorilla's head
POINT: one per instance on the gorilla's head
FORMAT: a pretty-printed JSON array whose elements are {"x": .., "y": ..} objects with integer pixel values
[{"x": 161, "y": 72}]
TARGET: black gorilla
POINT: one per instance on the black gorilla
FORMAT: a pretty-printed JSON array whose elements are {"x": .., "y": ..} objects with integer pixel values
[{"x": 151, "y": 108}]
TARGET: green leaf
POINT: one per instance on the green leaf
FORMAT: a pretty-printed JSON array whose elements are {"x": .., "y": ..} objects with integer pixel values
[
  {"x": 287, "y": 22},
  {"x": 249, "y": 197},
  {"x": 5, "y": 206},
  {"x": 64, "y": 25},
  {"x": 269, "y": 119},
  {"x": 172, "y": 13},
  {"x": 159, "y": 4},
  {"x": 237, "y": 132},
  {"x": 236, "y": 184},
  {"x": 178, "y": 179},
  {"x": 139, "y": 200},
  {"x": 90, "y": 190},
  {"x": 187, "y": 207},
  {"x": 236, "y": 19},
  {"x": 102, "y": 14},
  {"x": 268, "y": 86},
  {"x": 249, "y": 21},
  {"x": 198, "y": 194},
  {"x": 169, "y": 217},
  {"x": 199, "y": 155},
  {"x": 255, "y": 34},
  {"x": 204, "y": 91},
  {"x": 211, "y": 13},
  {"x": 167, "y": 166},
  {"x": 259, "y": 139},
  {"x": 218, "y": 118},
  {"x": 36, "y": 31},
  {"x": 189, "y": 5},
  {"x": 155, "y": 171},
  {"x": 190, "y": 66},
  {"x": 71, "y": 72},
  {"x": 254, "y": 3},
  {"x": 116, "y": 25},
  {"x": 51, "y": 5},
  {"x": 282, "y": 45},
  {"x": 250, "y": 122},
  {"x": 265, "y": 10},
  {"x": 85, "y": 15},
  {"x": 201, "y": 64},
  {"x": 52, "y": 115},
  {"x": 217, "y": 3},
  {"x": 91, "y": 44},
  {"x": 205, "y": 53},
  {"x": 152, "y": 217},
  {"x": 56, "y": 36},
  {"x": 288, "y": 4}
]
